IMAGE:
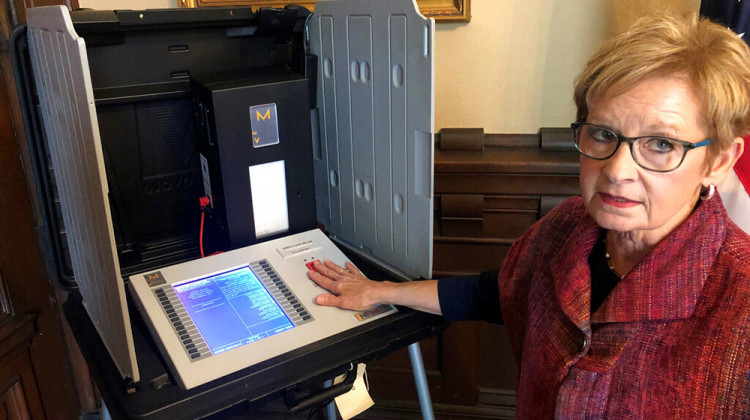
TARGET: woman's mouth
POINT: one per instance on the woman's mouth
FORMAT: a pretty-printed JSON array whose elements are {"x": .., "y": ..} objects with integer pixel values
[{"x": 617, "y": 201}]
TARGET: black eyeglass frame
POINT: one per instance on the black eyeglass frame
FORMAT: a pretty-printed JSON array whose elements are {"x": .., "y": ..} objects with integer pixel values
[{"x": 687, "y": 146}]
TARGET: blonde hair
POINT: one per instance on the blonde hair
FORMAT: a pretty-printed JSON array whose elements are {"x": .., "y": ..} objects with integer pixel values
[{"x": 715, "y": 61}]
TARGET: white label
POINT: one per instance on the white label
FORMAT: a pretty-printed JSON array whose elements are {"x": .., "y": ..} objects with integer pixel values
[
  {"x": 297, "y": 248},
  {"x": 268, "y": 191}
]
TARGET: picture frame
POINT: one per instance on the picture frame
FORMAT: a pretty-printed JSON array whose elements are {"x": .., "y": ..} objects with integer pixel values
[{"x": 440, "y": 10}]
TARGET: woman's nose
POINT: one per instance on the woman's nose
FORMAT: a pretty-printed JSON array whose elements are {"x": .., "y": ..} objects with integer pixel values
[{"x": 620, "y": 166}]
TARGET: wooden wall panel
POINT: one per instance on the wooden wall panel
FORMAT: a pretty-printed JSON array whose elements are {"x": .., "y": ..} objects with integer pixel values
[
  {"x": 19, "y": 395},
  {"x": 41, "y": 367}
]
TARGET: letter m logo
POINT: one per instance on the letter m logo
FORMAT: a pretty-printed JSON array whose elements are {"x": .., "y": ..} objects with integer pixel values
[
  {"x": 154, "y": 278},
  {"x": 259, "y": 116}
]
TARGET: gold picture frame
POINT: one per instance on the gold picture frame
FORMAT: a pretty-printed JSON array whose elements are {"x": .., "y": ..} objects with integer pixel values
[{"x": 441, "y": 10}]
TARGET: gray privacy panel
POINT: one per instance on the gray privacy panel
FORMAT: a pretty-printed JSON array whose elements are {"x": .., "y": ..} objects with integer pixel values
[
  {"x": 373, "y": 156},
  {"x": 61, "y": 73}
]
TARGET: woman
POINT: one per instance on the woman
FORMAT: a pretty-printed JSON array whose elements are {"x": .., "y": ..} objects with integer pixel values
[{"x": 634, "y": 299}]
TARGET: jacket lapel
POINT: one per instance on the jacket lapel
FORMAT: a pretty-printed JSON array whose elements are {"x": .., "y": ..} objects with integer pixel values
[
  {"x": 572, "y": 275},
  {"x": 669, "y": 280}
]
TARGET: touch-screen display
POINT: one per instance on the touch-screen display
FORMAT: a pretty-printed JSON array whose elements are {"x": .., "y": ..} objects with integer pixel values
[{"x": 232, "y": 309}]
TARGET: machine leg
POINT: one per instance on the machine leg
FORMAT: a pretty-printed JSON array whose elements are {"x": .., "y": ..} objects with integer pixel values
[
  {"x": 104, "y": 413},
  {"x": 331, "y": 407},
  {"x": 420, "y": 379}
]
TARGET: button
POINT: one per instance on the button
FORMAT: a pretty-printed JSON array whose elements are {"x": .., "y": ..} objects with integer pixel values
[
  {"x": 195, "y": 356},
  {"x": 583, "y": 342},
  {"x": 311, "y": 266},
  {"x": 305, "y": 318}
]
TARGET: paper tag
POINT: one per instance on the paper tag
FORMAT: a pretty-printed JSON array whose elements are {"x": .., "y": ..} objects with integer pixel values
[{"x": 357, "y": 400}]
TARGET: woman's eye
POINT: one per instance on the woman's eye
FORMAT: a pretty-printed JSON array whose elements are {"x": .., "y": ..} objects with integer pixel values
[
  {"x": 600, "y": 134},
  {"x": 658, "y": 144}
]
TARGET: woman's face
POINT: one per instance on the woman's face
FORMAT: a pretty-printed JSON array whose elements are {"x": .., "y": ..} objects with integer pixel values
[{"x": 622, "y": 196}]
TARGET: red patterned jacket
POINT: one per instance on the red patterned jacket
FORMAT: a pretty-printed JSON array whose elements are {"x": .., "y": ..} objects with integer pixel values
[{"x": 672, "y": 340}]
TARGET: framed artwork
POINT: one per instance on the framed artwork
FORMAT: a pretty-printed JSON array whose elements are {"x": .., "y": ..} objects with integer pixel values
[{"x": 441, "y": 10}]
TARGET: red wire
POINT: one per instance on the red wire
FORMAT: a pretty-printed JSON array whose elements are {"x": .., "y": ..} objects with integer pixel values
[{"x": 203, "y": 216}]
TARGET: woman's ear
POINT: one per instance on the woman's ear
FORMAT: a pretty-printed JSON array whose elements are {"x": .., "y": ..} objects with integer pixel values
[{"x": 724, "y": 162}]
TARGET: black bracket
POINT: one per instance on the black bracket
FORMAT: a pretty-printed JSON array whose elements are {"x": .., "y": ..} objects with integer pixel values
[{"x": 296, "y": 405}]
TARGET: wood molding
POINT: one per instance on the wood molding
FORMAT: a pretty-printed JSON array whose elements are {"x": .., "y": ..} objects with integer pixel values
[
  {"x": 5, "y": 308},
  {"x": 19, "y": 396},
  {"x": 399, "y": 409},
  {"x": 13, "y": 404},
  {"x": 440, "y": 10},
  {"x": 16, "y": 331}
]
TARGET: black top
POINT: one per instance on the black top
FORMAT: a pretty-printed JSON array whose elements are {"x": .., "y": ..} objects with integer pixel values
[
  {"x": 474, "y": 297},
  {"x": 603, "y": 280},
  {"x": 477, "y": 297}
]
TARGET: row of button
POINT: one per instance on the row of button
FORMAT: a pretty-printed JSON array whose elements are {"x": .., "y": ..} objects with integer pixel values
[
  {"x": 191, "y": 339},
  {"x": 286, "y": 299}
]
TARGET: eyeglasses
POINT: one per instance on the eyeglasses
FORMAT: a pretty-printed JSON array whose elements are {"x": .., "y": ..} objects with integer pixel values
[{"x": 653, "y": 153}]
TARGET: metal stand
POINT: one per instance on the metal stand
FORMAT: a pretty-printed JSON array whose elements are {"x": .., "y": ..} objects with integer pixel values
[
  {"x": 420, "y": 379},
  {"x": 331, "y": 407}
]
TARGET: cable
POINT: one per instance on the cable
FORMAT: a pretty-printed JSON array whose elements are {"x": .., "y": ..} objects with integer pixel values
[
  {"x": 200, "y": 240},
  {"x": 204, "y": 202}
]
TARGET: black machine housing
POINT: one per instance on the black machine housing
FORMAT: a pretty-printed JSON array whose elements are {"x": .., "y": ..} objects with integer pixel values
[
  {"x": 227, "y": 115},
  {"x": 141, "y": 74}
]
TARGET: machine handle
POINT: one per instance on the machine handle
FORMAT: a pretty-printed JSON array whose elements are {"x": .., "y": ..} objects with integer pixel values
[{"x": 295, "y": 406}]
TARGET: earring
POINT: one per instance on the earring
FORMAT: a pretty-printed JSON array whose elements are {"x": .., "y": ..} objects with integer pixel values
[{"x": 708, "y": 193}]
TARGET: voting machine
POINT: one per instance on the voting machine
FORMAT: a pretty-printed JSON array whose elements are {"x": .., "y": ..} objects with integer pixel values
[{"x": 185, "y": 160}]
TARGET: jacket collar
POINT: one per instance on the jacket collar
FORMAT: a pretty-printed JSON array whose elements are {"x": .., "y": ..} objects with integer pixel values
[
  {"x": 666, "y": 284},
  {"x": 571, "y": 273}
]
